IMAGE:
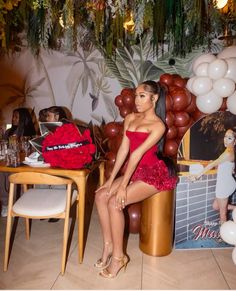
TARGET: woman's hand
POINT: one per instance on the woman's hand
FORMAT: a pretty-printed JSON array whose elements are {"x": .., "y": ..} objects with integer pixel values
[
  {"x": 194, "y": 178},
  {"x": 106, "y": 185},
  {"x": 121, "y": 197}
]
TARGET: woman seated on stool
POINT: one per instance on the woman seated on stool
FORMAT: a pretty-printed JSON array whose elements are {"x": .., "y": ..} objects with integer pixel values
[
  {"x": 145, "y": 174},
  {"x": 22, "y": 125}
]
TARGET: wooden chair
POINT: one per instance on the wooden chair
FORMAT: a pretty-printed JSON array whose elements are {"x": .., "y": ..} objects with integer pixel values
[{"x": 39, "y": 203}]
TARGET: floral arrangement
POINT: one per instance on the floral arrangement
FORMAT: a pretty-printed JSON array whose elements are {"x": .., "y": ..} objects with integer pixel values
[
  {"x": 68, "y": 148},
  {"x": 180, "y": 24}
]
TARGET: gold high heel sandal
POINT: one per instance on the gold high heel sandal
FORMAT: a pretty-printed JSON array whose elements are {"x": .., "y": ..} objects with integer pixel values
[
  {"x": 100, "y": 264},
  {"x": 107, "y": 274}
]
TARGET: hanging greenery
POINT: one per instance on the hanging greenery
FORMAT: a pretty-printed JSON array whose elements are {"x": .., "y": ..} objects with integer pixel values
[{"x": 180, "y": 25}]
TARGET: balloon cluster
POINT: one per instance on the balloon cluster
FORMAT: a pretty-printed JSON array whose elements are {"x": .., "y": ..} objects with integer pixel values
[
  {"x": 181, "y": 111},
  {"x": 125, "y": 101},
  {"x": 214, "y": 79},
  {"x": 228, "y": 233}
]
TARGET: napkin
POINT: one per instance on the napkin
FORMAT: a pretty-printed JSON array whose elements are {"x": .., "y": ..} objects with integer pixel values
[{"x": 33, "y": 158}]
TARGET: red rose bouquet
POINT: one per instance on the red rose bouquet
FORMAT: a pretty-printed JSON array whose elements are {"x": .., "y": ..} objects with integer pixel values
[{"x": 68, "y": 148}]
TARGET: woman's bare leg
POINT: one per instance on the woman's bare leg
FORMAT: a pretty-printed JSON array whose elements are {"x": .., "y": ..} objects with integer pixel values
[
  {"x": 101, "y": 201},
  {"x": 223, "y": 207},
  {"x": 136, "y": 192}
]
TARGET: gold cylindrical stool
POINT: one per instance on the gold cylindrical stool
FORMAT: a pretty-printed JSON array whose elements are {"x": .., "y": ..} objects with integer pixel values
[{"x": 157, "y": 221}]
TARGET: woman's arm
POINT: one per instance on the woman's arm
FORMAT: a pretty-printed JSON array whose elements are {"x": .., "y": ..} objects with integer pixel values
[
  {"x": 225, "y": 156},
  {"x": 121, "y": 154}
]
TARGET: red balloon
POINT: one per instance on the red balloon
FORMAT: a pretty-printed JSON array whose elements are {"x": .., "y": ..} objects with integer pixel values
[
  {"x": 118, "y": 101},
  {"x": 167, "y": 79},
  {"x": 169, "y": 102},
  {"x": 180, "y": 82},
  {"x": 181, "y": 118},
  {"x": 111, "y": 129},
  {"x": 172, "y": 133},
  {"x": 224, "y": 105},
  {"x": 192, "y": 106},
  {"x": 171, "y": 148},
  {"x": 170, "y": 118},
  {"x": 124, "y": 111},
  {"x": 134, "y": 211},
  {"x": 181, "y": 98},
  {"x": 128, "y": 100}
]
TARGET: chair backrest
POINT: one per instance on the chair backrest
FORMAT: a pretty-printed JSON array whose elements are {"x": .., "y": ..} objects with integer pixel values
[{"x": 38, "y": 178}]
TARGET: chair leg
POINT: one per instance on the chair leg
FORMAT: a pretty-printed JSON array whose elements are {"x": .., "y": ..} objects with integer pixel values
[
  {"x": 27, "y": 228},
  {"x": 64, "y": 248},
  {"x": 66, "y": 228},
  {"x": 7, "y": 241}
]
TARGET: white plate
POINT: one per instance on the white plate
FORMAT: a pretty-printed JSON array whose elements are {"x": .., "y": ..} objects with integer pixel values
[{"x": 37, "y": 165}]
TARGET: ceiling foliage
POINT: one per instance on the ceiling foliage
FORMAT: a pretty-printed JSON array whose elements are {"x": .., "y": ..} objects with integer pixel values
[{"x": 181, "y": 25}]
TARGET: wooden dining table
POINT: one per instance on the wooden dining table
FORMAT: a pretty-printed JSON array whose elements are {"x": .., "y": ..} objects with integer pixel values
[{"x": 79, "y": 176}]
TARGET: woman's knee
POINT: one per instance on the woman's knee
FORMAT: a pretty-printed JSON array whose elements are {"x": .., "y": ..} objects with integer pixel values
[
  {"x": 112, "y": 204},
  {"x": 100, "y": 197}
]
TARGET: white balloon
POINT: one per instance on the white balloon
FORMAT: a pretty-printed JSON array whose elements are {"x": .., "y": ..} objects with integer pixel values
[
  {"x": 231, "y": 103},
  {"x": 217, "y": 69},
  {"x": 228, "y": 232},
  {"x": 201, "y": 70},
  {"x": 224, "y": 87},
  {"x": 190, "y": 83},
  {"x": 201, "y": 85},
  {"x": 228, "y": 52},
  {"x": 206, "y": 58},
  {"x": 234, "y": 215},
  {"x": 234, "y": 256},
  {"x": 231, "y": 72},
  {"x": 209, "y": 103}
]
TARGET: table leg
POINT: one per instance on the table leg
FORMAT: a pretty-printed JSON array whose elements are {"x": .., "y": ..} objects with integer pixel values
[{"x": 101, "y": 173}]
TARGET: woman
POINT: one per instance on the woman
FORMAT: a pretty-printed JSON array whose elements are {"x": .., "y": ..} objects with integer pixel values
[
  {"x": 144, "y": 176},
  {"x": 22, "y": 125},
  {"x": 225, "y": 182},
  {"x": 55, "y": 113}
]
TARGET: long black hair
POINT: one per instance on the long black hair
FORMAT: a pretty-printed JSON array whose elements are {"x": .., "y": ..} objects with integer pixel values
[
  {"x": 160, "y": 109},
  {"x": 25, "y": 126}
]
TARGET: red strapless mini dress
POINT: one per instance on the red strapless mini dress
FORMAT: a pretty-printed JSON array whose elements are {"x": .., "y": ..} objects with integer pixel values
[{"x": 150, "y": 169}]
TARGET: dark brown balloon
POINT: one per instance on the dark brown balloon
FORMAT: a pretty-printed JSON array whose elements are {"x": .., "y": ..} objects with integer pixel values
[
  {"x": 110, "y": 157},
  {"x": 169, "y": 103},
  {"x": 171, "y": 148},
  {"x": 134, "y": 212},
  {"x": 181, "y": 99},
  {"x": 118, "y": 101},
  {"x": 172, "y": 132},
  {"x": 181, "y": 118},
  {"x": 183, "y": 129},
  {"x": 192, "y": 106},
  {"x": 224, "y": 105},
  {"x": 124, "y": 111},
  {"x": 180, "y": 82},
  {"x": 114, "y": 143},
  {"x": 167, "y": 79},
  {"x": 111, "y": 129},
  {"x": 170, "y": 118},
  {"x": 197, "y": 114},
  {"x": 128, "y": 100}
]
